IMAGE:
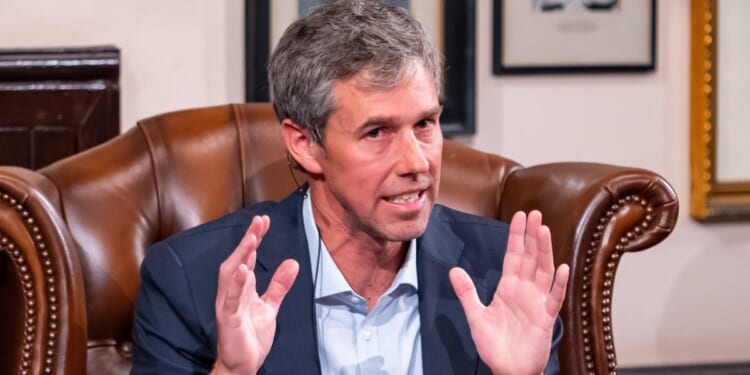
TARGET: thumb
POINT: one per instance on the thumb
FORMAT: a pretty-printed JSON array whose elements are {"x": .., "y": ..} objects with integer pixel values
[
  {"x": 280, "y": 284},
  {"x": 466, "y": 292}
]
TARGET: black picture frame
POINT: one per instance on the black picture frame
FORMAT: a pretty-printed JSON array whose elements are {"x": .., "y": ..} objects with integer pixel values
[
  {"x": 501, "y": 67},
  {"x": 459, "y": 89}
]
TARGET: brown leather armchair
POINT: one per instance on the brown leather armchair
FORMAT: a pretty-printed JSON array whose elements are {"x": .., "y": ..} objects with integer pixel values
[{"x": 72, "y": 235}]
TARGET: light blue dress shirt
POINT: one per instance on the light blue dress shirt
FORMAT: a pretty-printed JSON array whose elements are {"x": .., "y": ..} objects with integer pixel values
[{"x": 351, "y": 339}]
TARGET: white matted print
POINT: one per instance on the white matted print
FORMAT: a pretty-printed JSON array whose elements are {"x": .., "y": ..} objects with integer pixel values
[{"x": 573, "y": 35}]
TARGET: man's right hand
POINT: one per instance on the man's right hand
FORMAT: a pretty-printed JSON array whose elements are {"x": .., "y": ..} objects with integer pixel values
[{"x": 247, "y": 322}]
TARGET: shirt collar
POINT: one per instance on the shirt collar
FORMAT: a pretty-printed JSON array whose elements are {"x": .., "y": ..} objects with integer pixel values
[{"x": 331, "y": 281}]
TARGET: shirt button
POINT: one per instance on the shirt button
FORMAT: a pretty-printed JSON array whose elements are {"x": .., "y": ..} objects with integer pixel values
[
  {"x": 355, "y": 299},
  {"x": 367, "y": 335}
]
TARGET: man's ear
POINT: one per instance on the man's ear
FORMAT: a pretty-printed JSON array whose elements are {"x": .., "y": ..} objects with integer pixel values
[{"x": 301, "y": 146}]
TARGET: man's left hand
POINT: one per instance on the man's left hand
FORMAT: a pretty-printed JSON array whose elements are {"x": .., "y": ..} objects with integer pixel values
[{"x": 514, "y": 332}]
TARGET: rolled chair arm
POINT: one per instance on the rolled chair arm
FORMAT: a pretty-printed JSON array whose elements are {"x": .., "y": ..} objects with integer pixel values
[
  {"x": 42, "y": 290},
  {"x": 596, "y": 213}
]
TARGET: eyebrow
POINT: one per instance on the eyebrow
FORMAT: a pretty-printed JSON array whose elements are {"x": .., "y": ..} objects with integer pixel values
[{"x": 387, "y": 120}]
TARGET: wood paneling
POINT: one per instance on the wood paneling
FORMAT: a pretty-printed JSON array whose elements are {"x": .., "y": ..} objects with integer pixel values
[{"x": 56, "y": 102}]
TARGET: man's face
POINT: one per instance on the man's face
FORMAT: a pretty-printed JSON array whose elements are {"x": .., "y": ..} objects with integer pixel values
[{"x": 380, "y": 163}]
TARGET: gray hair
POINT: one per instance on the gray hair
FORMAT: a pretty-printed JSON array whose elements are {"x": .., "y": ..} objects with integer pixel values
[{"x": 338, "y": 41}]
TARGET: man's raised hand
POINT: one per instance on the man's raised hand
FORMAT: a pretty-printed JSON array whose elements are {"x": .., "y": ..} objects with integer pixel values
[
  {"x": 514, "y": 332},
  {"x": 246, "y": 322}
]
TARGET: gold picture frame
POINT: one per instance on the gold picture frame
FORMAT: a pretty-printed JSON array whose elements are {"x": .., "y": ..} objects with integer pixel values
[{"x": 712, "y": 198}]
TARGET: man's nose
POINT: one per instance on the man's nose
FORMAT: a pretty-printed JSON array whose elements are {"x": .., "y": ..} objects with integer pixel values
[{"x": 412, "y": 156}]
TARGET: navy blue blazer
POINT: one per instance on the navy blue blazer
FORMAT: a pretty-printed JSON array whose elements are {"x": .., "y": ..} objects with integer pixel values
[{"x": 175, "y": 322}]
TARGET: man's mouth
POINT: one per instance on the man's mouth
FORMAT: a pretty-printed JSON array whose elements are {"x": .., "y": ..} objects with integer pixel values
[{"x": 406, "y": 198}]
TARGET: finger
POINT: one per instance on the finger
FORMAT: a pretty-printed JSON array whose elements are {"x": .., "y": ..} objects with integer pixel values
[
  {"x": 466, "y": 292},
  {"x": 281, "y": 282},
  {"x": 529, "y": 261},
  {"x": 230, "y": 266},
  {"x": 265, "y": 225},
  {"x": 259, "y": 226},
  {"x": 557, "y": 294},
  {"x": 233, "y": 292},
  {"x": 248, "y": 243},
  {"x": 546, "y": 264},
  {"x": 250, "y": 261},
  {"x": 249, "y": 292},
  {"x": 514, "y": 253}
]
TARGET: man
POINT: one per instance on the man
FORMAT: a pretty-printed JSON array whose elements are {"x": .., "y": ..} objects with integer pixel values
[{"x": 359, "y": 272}]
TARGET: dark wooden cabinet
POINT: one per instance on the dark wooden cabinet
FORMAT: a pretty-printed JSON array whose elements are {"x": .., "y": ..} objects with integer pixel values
[{"x": 56, "y": 102}]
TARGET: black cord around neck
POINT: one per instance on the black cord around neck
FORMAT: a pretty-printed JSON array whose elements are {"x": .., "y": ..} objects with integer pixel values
[{"x": 314, "y": 303}]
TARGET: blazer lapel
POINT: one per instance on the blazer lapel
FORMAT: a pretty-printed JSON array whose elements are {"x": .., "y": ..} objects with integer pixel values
[
  {"x": 295, "y": 349},
  {"x": 447, "y": 347}
]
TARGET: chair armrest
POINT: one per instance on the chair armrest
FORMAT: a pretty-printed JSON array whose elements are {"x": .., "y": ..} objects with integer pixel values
[
  {"x": 596, "y": 213},
  {"x": 44, "y": 303}
]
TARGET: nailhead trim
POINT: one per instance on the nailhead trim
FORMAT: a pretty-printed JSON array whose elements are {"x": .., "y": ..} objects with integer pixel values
[
  {"x": 608, "y": 283},
  {"x": 27, "y": 284}
]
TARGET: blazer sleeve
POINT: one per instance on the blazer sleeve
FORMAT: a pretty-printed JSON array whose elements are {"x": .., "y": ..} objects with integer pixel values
[
  {"x": 553, "y": 364},
  {"x": 167, "y": 334}
]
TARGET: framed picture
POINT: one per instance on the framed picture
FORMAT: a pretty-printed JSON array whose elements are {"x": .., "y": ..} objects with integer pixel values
[
  {"x": 451, "y": 23},
  {"x": 719, "y": 115},
  {"x": 574, "y": 36}
]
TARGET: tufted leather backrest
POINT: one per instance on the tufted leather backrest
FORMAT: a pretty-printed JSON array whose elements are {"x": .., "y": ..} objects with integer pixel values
[{"x": 180, "y": 169}]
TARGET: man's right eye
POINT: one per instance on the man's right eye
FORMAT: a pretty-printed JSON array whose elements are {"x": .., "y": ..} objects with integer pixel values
[{"x": 374, "y": 133}]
